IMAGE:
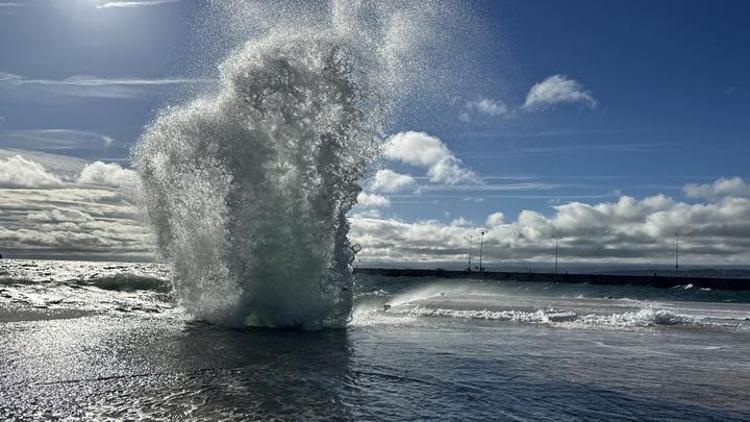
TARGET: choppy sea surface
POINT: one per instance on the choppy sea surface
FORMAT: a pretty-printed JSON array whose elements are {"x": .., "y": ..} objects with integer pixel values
[{"x": 108, "y": 341}]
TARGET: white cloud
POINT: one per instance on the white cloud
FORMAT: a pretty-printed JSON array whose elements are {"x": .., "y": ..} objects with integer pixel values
[
  {"x": 46, "y": 211},
  {"x": 135, "y": 3},
  {"x": 461, "y": 222},
  {"x": 59, "y": 215},
  {"x": 18, "y": 172},
  {"x": 98, "y": 82},
  {"x": 423, "y": 150},
  {"x": 389, "y": 181},
  {"x": 557, "y": 89},
  {"x": 367, "y": 213},
  {"x": 416, "y": 148},
  {"x": 71, "y": 220},
  {"x": 57, "y": 141},
  {"x": 490, "y": 107},
  {"x": 64, "y": 167},
  {"x": 722, "y": 187},
  {"x": 371, "y": 200},
  {"x": 55, "y": 90},
  {"x": 486, "y": 106},
  {"x": 108, "y": 174},
  {"x": 110, "y": 239},
  {"x": 495, "y": 219},
  {"x": 626, "y": 230}
]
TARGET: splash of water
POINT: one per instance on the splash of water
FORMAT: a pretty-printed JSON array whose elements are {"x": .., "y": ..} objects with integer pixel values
[{"x": 247, "y": 188}]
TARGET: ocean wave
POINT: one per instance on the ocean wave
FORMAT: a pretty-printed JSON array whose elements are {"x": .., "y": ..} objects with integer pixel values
[
  {"x": 508, "y": 315},
  {"x": 128, "y": 282},
  {"x": 646, "y": 317},
  {"x": 11, "y": 281}
]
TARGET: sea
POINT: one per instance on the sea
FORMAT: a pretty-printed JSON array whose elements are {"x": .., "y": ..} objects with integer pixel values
[{"x": 106, "y": 341}]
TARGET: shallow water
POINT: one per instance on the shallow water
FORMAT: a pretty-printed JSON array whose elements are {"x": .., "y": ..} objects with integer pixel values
[{"x": 448, "y": 350}]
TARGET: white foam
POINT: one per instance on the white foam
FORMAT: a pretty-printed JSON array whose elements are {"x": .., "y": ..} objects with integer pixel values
[
  {"x": 248, "y": 188},
  {"x": 492, "y": 303},
  {"x": 646, "y": 317}
]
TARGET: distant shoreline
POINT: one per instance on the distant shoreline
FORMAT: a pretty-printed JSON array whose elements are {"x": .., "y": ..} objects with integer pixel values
[{"x": 659, "y": 281}]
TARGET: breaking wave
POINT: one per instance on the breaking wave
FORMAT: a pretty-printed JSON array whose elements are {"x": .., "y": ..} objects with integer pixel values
[
  {"x": 643, "y": 318},
  {"x": 127, "y": 282},
  {"x": 123, "y": 282},
  {"x": 461, "y": 301},
  {"x": 247, "y": 188}
]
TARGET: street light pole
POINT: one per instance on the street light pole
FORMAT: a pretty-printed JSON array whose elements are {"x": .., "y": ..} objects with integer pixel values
[
  {"x": 471, "y": 249},
  {"x": 481, "y": 248}
]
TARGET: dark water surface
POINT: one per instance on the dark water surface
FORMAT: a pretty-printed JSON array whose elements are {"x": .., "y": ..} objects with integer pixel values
[{"x": 444, "y": 351}]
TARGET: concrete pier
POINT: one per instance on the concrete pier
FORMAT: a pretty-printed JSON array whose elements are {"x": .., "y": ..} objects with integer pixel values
[{"x": 604, "y": 279}]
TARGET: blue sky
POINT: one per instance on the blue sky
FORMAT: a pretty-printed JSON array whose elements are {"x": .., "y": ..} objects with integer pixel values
[
  {"x": 672, "y": 98},
  {"x": 658, "y": 99},
  {"x": 53, "y": 41}
]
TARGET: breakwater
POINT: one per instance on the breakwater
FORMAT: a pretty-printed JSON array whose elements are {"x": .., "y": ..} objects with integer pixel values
[{"x": 604, "y": 279}]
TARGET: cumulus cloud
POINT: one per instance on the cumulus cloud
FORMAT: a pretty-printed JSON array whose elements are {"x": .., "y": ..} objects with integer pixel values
[
  {"x": 627, "y": 230},
  {"x": 734, "y": 186},
  {"x": 70, "y": 220},
  {"x": 56, "y": 206},
  {"x": 557, "y": 89},
  {"x": 107, "y": 174},
  {"x": 389, "y": 181},
  {"x": 422, "y": 150},
  {"x": 114, "y": 239},
  {"x": 495, "y": 219},
  {"x": 65, "y": 168},
  {"x": 18, "y": 172},
  {"x": 371, "y": 200}
]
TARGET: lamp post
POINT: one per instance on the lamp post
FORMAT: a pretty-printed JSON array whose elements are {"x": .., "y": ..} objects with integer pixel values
[
  {"x": 481, "y": 248},
  {"x": 471, "y": 249},
  {"x": 676, "y": 254}
]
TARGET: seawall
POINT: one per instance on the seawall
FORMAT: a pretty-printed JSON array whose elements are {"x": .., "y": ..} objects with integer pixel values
[{"x": 605, "y": 279}]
